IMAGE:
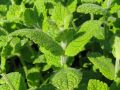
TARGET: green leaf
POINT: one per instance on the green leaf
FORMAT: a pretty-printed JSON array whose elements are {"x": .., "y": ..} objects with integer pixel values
[
  {"x": 66, "y": 79},
  {"x": 51, "y": 59},
  {"x": 72, "y": 4},
  {"x": 91, "y": 1},
  {"x": 115, "y": 85},
  {"x": 107, "y": 3},
  {"x": 47, "y": 87},
  {"x": 116, "y": 47},
  {"x": 17, "y": 81},
  {"x": 115, "y": 8},
  {"x": 4, "y": 87},
  {"x": 39, "y": 59},
  {"x": 3, "y": 32},
  {"x": 30, "y": 17},
  {"x": 33, "y": 77},
  {"x": 3, "y": 9},
  {"x": 40, "y": 6},
  {"x": 15, "y": 13},
  {"x": 40, "y": 38},
  {"x": 96, "y": 85},
  {"x": 90, "y": 8},
  {"x": 78, "y": 44},
  {"x": 103, "y": 64},
  {"x": 61, "y": 18}
]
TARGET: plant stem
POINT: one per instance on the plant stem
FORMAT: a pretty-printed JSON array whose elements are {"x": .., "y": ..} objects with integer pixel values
[
  {"x": 109, "y": 4},
  {"x": 117, "y": 67},
  {"x": 23, "y": 64},
  {"x": 13, "y": 2},
  {"x": 8, "y": 82},
  {"x": 92, "y": 16},
  {"x": 63, "y": 57}
]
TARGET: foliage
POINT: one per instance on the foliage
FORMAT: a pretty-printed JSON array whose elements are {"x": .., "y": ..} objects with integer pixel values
[{"x": 59, "y": 44}]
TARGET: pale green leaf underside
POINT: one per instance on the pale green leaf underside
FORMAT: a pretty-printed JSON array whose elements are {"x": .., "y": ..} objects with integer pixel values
[
  {"x": 90, "y": 8},
  {"x": 40, "y": 38},
  {"x": 66, "y": 79},
  {"x": 97, "y": 85},
  {"x": 77, "y": 45},
  {"x": 103, "y": 64}
]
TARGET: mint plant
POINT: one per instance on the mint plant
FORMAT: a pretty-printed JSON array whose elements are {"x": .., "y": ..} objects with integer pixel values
[{"x": 59, "y": 45}]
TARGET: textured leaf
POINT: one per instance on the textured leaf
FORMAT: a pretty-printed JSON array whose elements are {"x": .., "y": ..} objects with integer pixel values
[
  {"x": 40, "y": 38},
  {"x": 78, "y": 44},
  {"x": 3, "y": 9},
  {"x": 17, "y": 81},
  {"x": 66, "y": 79},
  {"x": 72, "y": 4},
  {"x": 15, "y": 13},
  {"x": 51, "y": 59},
  {"x": 115, "y": 85},
  {"x": 30, "y": 17},
  {"x": 4, "y": 87},
  {"x": 103, "y": 64},
  {"x": 97, "y": 85},
  {"x": 40, "y": 6},
  {"x": 90, "y": 8},
  {"x": 115, "y": 8},
  {"x": 116, "y": 47},
  {"x": 3, "y": 32},
  {"x": 47, "y": 87},
  {"x": 3, "y": 40},
  {"x": 108, "y": 3},
  {"x": 91, "y": 1},
  {"x": 33, "y": 77},
  {"x": 61, "y": 18},
  {"x": 39, "y": 59}
]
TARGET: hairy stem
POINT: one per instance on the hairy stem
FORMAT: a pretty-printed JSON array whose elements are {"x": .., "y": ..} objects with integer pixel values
[
  {"x": 92, "y": 16},
  {"x": 13, "y": 2},
  {"x": 109, "y": 3},
  {"x": 8, "y": 82},
  {"x": 117, "y": 67},
  {"x": 63, "y": 57}
]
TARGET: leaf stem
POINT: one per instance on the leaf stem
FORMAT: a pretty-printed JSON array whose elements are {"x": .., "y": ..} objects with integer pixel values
[
  {"x": 63, "y": 57},
  {"x": 13, "y": 2},
  {"x": 109, "y": 2},
  {"x": 117, "y": 67},
  {"x": 23, "y": 64},
  {"x": 92, "y": 16}
]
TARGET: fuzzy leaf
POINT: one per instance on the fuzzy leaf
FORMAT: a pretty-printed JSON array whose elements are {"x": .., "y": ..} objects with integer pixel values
[
  {"x": 90, "y": 8},
  {"x": 116, "y": 47},
  {"x": 17, "y": 81},
  {"x": 40, "y": 38},
  {"x": 97, "y": 85},
  {"x": 63, "y": 17},
  {"x": 66, "y": 79},
  {"x": 30, "y": 17},
  {"x": 51, "y": 59},
  {"x": 4, "y": 87},
  {"x": 103, "y": 64},
  {"x": 78, "y": 44},
  {"x": 15, "y": 13},
  {"x": 91, "y": 1}
]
